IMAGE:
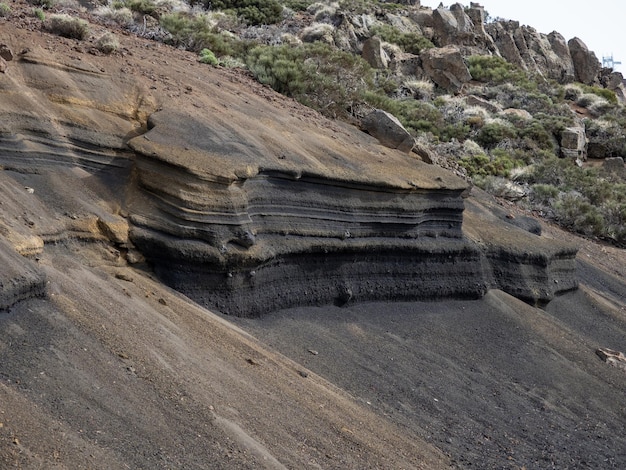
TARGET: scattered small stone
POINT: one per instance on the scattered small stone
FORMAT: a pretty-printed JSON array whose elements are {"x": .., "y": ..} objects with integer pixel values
[
  {"x": 162, "y": 301},
  {"x": 303, "y": 373},
  {"x": 253, "y": 362},
  {"x": 3, "y": 65},
  {"x": 314, "y": 352},
  {"x": 29, "y": 190},
  {"x": 124, "y": 277},
  {"x": 612, "y": 358},
  {"x": 122, "y": 355}
]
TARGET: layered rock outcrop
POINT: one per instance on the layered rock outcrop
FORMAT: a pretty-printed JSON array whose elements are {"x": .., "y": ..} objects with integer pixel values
[
  {"x": 251, "y": 226},
  {"x": 242, "y": 200}
]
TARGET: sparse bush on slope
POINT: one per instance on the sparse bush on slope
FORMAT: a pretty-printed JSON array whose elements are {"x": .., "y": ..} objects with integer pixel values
[
  {"x": 68, "y": 26},
  {"x": 409, "y": 42},
  {"x": 254, "y": 12},
  {"x": 316, "y": 74}
]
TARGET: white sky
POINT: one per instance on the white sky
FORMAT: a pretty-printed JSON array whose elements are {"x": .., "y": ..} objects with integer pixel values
[{"x": 601, "y": 24}]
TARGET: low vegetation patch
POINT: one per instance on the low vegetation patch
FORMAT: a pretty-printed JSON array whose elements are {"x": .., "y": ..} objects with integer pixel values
[
  {"x": 5, "y": 10},
  {"x": 409, "y": 42},
  {"x": 68, "y": 26},
  {"x": 316, "y": 74}
]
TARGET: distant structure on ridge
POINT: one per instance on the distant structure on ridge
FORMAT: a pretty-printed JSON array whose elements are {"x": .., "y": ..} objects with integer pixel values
[{"x": 609, "y": 62}]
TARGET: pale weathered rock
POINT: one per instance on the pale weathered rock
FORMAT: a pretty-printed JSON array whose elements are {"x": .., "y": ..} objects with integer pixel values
[
  {"x": 445, "y": 66},
  {"x": 492, "y": 107},
  {"x": 319, "y": 32},
  {"x": 388, "y": 130},
  {"x": 517, "y": 113},
  {"x": 374, "y": 54},
  {"x": 586, "y": 64},
  {"x": 3, "y": 65},
  {"x": 574, "y": 143},
  {"x": 612, "y": 357}
]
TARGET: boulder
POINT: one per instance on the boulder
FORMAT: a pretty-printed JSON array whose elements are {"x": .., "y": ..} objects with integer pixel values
[
  {"x": 586, "y": 64},
  {"x": 462, "y": 27},
  {"x": 445, "y": 66},
  {"x": 6, "y": 53},
  {"x": 562, "y": 60},
  {"x": 492, "y": 107},
  {"x": 406, "y": 64},
  {"x": 574, "y": 143},
  {"x": 374, "y": 54},
  {"x": 3, "y": 65},
  {"x": 502, "y": 35},
  {"x": 388, "y": 130},
  {"x": 615, "y": 81}
]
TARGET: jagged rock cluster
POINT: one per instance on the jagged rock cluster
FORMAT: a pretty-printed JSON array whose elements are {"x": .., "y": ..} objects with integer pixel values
[{"x": 459, "y": 32}]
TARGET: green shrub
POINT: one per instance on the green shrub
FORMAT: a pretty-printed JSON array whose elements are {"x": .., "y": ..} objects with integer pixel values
[
  {"x": 298, "y": 5},
  {"x": 207, "y": 57},
  {"x": 543, "y": 194},
  {"x": 496, "y": 70},
  {"x": 605, "y": 93},
  {"x": 107, "y": 43},
  {"x": 195, "y": 33},
  {"x": 38, "y": 13},
  {"x": 143, "y": 7},
  {"x": 491, "y": 134},
  {"x": 574, "y": 212},
  {"x": 5, "y": 10},
  {"x": 68, "y": 26},
  {"x": 409, "y": 42},
  {"x": 317, "y": 75},
  {"x": 498, "y": 164},
  {"x": 580, "y": 198},
  {"x": 254, "y": 12}
]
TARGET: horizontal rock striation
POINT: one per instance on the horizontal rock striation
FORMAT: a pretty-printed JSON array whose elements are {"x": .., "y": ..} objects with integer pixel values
[
  {"x": 279, "y": 242},
  {"x": 66, "y": 113},
  {"x": 19, "y": 278},
  {"x": 519, "y": 262}
]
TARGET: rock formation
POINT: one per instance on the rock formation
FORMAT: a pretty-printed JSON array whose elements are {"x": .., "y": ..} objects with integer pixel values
[
  {"x": 586, "y": 65},
  {"x": 445, "y": 67},
  {"x": 388, "y": 130}
]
